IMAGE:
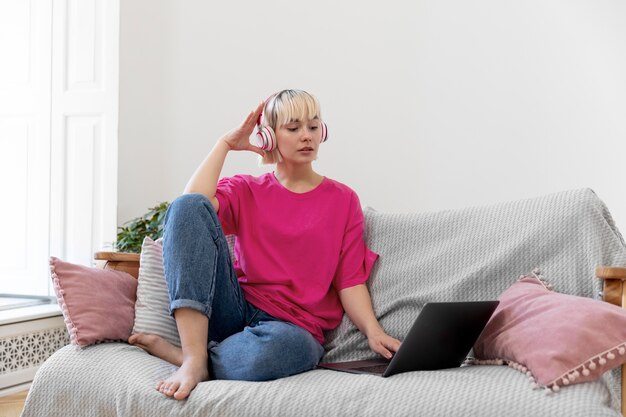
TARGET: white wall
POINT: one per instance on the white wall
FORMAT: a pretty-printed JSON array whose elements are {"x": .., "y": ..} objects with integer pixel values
[{"x": 430, "y": 104}]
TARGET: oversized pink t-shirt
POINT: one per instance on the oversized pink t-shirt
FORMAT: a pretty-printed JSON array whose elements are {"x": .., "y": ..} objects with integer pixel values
[{"x": 295, "y": 251}]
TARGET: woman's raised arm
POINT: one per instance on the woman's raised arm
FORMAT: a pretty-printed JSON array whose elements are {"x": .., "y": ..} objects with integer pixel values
[{"x": 204, "y": 179}]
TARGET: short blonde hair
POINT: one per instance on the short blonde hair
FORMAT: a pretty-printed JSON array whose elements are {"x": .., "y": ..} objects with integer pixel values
[{"x": 284, "y": 107}]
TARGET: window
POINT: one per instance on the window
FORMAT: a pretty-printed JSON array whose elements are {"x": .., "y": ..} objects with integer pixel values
[{"x": 58, "y": 136}]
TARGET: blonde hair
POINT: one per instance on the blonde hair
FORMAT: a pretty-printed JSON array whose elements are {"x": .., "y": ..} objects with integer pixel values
[{"x": 284, "y": 107}]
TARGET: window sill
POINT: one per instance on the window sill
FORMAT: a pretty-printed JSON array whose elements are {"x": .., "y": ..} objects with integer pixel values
[{"x": 18, "y": 315}]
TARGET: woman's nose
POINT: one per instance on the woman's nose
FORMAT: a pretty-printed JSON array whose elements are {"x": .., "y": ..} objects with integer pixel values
[{"x": 307, "y": 135}]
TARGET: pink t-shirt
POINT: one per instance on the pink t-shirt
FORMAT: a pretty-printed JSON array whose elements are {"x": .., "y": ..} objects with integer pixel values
[{"x": 295, "y": 251}]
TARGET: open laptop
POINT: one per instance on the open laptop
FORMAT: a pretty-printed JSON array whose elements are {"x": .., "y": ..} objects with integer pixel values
[{"x": 440, "y": 338}]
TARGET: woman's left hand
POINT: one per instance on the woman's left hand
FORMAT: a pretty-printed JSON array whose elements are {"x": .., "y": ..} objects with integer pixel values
[{"x": 383, "y": 344}]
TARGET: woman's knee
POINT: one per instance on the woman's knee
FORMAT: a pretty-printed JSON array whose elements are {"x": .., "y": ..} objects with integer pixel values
[
  {"x": 192, "y": 201},
  {"x": 267, "y": 351},
  {"x": 188, "y": 206}
]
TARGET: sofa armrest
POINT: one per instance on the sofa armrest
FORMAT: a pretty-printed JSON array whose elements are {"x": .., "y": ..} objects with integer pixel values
[
  {"x": 613, "y": 289},
  {"x": 119, "y": 261},
  {"x": 614, "y": 292}
]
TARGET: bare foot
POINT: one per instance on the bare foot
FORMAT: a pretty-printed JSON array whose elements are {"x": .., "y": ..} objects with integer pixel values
[
  {"x": 189, "y": 375},
  {"x": 192, "y": 371},
  {"x": 158, "y": 346}
]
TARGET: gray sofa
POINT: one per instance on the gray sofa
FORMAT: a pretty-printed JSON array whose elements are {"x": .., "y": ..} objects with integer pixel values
[{"x": 468, "y": 254}]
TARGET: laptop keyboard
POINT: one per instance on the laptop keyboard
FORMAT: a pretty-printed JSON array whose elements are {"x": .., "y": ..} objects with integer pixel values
[{"x": 377, "y": 369}]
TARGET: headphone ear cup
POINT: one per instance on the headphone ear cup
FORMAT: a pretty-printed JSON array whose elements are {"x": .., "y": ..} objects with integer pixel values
[
  {"x": 267, "y": 138},
  {"x": 324, "y": 132}
]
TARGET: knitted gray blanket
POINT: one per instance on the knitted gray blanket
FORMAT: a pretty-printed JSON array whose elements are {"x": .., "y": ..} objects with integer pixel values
[{"x": 469, "y": 254}]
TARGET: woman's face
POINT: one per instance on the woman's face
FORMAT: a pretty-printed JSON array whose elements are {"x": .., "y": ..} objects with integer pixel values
[{"x": 299, "y": 140}]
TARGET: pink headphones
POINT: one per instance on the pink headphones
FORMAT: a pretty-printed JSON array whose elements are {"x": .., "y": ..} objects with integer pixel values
[{"x": 267, "y": 137}]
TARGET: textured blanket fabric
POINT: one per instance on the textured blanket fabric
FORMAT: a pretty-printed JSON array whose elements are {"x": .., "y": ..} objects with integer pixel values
[
  {"x": 476, "y": 253},
  {"x": 469, "y": 254},
  {"x": 111, "y": 380}
]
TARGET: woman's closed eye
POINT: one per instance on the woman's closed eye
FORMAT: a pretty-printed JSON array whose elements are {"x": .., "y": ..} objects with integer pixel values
[{"x": 295, "y": 129}]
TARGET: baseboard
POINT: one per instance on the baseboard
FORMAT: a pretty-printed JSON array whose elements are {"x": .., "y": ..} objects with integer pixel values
[{"x": 15, "y": 389}]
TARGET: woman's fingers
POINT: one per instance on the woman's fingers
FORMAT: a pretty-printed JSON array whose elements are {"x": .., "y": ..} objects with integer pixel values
[
  {"x": 394, "y": 344},
  {"x": 386, "y": 346},
  {"x": 385, "y": 353},
  {"x": 253, "y": 117},
  {"x": 259, "y": 108},
  {"x": 248, "y": 125},
  {"x": 239, "y": 138},
  {"x": 256, "y": 149},
  {"x": 388, "y": 349}
]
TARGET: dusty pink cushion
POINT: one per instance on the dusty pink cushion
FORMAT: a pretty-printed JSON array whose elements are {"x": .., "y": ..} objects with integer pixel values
[
  {"x": 557, "y": 339},
  {"x": 98, "y": 305}
]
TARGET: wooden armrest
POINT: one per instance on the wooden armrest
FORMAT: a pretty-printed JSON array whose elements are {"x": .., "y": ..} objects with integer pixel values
[
  {"x": 611, "y": 272},
  {"x": 119, "y": 261},
  {"x": 116, "y": 256},
  {"x": 613, "y": 290}
]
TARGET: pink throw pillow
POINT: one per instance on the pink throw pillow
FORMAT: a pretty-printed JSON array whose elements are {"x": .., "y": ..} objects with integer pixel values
[
  {"x": 556, "y": 339},
  {"x": 98, "y": 305}
]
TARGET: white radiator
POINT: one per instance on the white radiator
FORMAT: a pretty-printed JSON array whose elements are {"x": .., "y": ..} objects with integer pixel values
[{"x": 25, "y": 345}]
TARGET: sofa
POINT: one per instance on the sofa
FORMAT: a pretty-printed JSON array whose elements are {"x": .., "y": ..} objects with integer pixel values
[{"x": 469, "y": 254}]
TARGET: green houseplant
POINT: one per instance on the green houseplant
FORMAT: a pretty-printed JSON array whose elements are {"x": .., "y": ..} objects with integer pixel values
[{"x": 131, "y": 235}]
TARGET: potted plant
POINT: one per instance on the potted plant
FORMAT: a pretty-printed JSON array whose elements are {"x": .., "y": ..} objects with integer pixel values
[{"x": 131, "y": 235}]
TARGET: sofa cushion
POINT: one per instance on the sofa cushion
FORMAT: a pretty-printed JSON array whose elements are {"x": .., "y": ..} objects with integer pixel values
[
  {"x": 97, "y": 304},
  {"x": 152, "y": 313},
  {"x": 558, "y": 339},
  {"x": 118, "y": 380}
]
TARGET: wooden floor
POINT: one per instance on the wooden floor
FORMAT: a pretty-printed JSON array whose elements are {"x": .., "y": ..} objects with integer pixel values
[{"x": 12, "y": 405}]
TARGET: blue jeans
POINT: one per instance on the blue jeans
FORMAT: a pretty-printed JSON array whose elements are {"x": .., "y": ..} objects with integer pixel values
[{"x": 245, "y": 343}]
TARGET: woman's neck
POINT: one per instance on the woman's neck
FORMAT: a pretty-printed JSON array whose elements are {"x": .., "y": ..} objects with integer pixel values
[{"x": 297, "y": 178}]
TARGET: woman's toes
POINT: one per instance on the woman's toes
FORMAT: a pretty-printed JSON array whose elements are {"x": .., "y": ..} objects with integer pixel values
[
  {"x": 183, "y": 392},
  {"x": 172, "y": 389}
]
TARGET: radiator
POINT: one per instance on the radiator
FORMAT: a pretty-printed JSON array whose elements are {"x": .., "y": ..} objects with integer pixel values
[{"x": 24, "y": 346}]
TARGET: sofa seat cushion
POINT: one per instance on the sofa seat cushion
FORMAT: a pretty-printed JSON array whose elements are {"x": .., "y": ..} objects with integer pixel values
[{"x": 126, "y": 379}]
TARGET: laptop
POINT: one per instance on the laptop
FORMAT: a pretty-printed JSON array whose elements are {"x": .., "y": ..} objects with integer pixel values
[{"x": 440, "y": 338}]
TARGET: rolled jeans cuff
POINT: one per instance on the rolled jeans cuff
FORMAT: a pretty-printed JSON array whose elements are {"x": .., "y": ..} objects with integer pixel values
[{"x": 195, "y": 305}]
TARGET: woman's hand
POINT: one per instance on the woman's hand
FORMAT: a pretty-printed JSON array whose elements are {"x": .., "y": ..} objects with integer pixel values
[
  {"x": 383, "y": 344},
  {"x": 357, "y": 303},
  {"x": 239, "y": 139}
]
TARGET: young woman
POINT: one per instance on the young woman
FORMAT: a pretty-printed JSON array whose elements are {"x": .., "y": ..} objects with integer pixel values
[{"x": 300, "y": 258}]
